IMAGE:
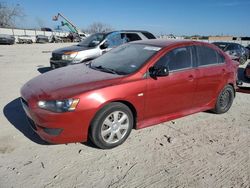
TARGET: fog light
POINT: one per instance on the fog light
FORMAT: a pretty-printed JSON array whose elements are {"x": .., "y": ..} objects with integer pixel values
[{"x": 52, "y": 131}]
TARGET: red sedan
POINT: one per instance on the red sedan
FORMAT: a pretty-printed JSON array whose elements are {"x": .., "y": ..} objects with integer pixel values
[{"x": 135, "y": 85}]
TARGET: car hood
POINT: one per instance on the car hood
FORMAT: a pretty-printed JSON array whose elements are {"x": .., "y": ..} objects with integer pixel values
[
  {"x": 67, "y": 82},
  {"x": 6, "y": 36},
  {"x": 74, "y": 48}
]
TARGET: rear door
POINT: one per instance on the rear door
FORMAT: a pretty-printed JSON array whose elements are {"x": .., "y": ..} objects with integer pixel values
[
  {"x": 173, "y": 93},
  {"x": 211, "y": 70}
]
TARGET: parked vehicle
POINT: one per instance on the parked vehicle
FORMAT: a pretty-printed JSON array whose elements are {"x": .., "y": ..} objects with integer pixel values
[
  {"x": 94, "y": 46},
  {"x": 55, "y": 39},
  {"x": 234, "y": 49},
  {"x": 42, "y": 39},
  {"x": 25, "y": 39},
  {"x": 135, "y": 85},
  {"x": 248, "y": 48},
  {"x": 46, "y": 29},
  {"x": 7, "y": 39},
  {"x": 247, "y": 71}
]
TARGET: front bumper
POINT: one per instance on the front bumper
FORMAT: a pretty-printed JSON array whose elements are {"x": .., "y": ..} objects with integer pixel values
[
  {"x": 58, "y": 128},
  {"x": 54, "y": 64}
]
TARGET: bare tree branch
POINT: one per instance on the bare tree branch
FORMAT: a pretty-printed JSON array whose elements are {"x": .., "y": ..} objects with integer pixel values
[
  {"x": 98, "y": 27},
  {"x": 9, "y": 14}
]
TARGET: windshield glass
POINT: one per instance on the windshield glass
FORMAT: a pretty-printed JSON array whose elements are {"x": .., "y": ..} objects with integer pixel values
[
  {"x": 222, "y": 46},
  {"x": 232, "y": 47},
  {"x": 92, "y": 40},
  {"x": 125, "y": 59}
]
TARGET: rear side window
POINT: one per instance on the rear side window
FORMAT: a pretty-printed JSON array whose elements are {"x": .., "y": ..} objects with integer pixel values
[
  {"x": 206, "y": 56},
  {"x": 221, "y": 58},
  {"x": 148, "y": 35},
  {"x": 132, "y": 37},
  {"x": 179, "y": 58}
]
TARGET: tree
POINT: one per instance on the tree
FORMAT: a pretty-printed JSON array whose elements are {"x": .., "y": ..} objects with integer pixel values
[
  {"x": 40, "y": 22},
  {"x": 98, "y": 27},
  {"x": 9, "y": 14}
]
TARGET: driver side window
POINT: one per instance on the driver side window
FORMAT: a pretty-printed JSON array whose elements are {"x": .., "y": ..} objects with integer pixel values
[
  {"x": 114, "y": 39},
  {"x": 176, "y": 59}
]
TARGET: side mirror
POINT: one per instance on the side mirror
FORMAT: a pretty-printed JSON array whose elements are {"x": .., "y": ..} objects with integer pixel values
[
  {"x": 104, "y": 45},
  {"x": 158, "y": 71}
]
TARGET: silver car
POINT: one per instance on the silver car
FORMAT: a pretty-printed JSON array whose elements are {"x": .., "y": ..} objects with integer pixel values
[{"x": 94, "y": 46}]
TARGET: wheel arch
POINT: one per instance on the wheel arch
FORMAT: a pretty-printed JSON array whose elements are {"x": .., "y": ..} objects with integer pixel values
[
  {"x": 132, "y": 108},
  {"x": 125, "y": 102},
  {"x": 231, "y": 84}
]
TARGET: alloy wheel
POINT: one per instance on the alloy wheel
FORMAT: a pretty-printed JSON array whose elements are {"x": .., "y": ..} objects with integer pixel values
[{"x": 115, "y": 127}]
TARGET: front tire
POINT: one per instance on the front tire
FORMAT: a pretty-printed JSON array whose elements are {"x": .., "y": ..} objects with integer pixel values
[
  {"x": 111, "y": 125},
  {"x": 242, "y": 60},
  {"x": 224, "y": 100}
]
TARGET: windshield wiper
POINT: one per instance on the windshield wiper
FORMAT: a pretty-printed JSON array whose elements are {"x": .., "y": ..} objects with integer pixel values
[{"x": 104, "y": 69}]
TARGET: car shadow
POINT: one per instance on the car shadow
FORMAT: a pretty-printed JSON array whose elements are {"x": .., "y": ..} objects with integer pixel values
[
  {"x": 90, "y": 144},
  {"x": 44, "y": 69},
  {"x": 15, "y": 114}
]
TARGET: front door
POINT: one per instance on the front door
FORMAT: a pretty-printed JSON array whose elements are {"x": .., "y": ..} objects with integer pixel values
[{"x": 173, "y": 93}]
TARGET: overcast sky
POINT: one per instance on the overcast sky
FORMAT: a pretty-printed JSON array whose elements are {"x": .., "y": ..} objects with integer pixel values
[{"x": 180, "y": 17}]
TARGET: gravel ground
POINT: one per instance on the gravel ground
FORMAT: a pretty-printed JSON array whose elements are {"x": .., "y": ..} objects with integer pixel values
[{"x": 201, "y": 150}]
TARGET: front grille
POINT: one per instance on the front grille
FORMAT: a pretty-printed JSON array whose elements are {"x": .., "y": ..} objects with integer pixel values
[
  {"x": 56, "y": 56},
  {"x": 25, "y": 102}
]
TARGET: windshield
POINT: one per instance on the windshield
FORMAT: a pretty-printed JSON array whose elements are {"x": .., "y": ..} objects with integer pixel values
[
  {"x": 92, "y": 40},
  {"x": 222, "y": 46},
  {"x": 125, "y": 59},
  {"x": 232, "y": 47}
]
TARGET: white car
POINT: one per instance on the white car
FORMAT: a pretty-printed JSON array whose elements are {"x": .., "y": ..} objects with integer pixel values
[
  {"x": 25, "y": 39},
  {"x": 94, "y": 46}
]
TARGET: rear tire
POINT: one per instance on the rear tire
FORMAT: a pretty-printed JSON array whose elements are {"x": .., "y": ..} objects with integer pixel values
[
  {"x": 111, "y": 125},
  {"x": 224, "y": 100}
]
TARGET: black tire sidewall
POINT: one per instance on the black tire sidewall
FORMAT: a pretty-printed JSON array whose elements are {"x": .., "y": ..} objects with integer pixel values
[
  {"x": 218, "y": 108},
  {"x": 96, "y": 124}
]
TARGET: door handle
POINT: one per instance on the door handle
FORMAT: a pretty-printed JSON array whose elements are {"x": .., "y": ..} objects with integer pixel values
[
  {"x": 190, "y": 77},
  {"x": 223, "y": 71}
]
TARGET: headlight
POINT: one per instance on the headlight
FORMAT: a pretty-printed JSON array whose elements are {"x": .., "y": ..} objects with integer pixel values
[
  {"x": 66, "y": 105},
  {"x": 69, "y": 56}
]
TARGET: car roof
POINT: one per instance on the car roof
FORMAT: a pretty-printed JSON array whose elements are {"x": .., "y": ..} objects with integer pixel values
[
  {"x": 134, "y": 31},
  {"x": 164, "y": 42},
  {"x": 226, "y": 43},
  {"x": 139, "y": 31}
]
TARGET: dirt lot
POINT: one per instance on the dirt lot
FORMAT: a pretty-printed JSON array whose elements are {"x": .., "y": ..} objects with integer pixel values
[{"x": 201, "y": 150}]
